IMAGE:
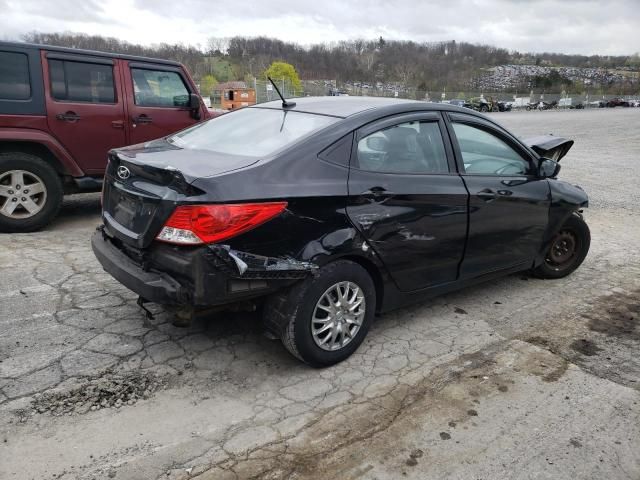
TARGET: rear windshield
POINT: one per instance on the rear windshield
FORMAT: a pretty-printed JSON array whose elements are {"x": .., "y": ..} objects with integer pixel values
[{"x": 251, "y": 132}]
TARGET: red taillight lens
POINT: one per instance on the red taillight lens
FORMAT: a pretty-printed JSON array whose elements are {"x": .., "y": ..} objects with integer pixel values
[{"x": 194, "y": 224}]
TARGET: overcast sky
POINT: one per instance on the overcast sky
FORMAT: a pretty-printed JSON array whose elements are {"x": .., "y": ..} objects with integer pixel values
[{"x": 608, "y": 27}]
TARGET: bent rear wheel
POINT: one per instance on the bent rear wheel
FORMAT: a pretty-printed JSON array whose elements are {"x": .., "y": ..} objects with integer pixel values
[
  {"x": 30, "y": 192},
  {"x": 325, "y": 317},
  {"x": 567, "y": 250}
]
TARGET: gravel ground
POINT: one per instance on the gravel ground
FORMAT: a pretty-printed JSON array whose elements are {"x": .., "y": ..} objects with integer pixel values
[{"x": 518, "y": 378}]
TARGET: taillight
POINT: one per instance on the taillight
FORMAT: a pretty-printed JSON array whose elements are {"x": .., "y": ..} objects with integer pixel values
[{"x": 196, "y": 224}]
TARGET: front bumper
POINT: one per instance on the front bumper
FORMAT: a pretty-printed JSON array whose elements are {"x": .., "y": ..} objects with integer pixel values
[{"x": 205, "y": 276}]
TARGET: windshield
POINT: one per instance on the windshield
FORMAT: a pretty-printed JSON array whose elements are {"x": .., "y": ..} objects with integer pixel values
[{"x": 251, "y": 132}]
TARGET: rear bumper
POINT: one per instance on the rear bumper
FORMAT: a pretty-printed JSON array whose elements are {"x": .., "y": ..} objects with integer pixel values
[
  {"x": 203, "y": 277},
  {"x": 153, "y": 286}
]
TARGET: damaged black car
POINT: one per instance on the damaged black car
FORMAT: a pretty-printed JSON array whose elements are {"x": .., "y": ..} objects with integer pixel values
[{"x": 330, "y": 210}]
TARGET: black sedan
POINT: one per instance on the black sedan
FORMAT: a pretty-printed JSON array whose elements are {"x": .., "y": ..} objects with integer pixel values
[{"x": 329, "y": 211}]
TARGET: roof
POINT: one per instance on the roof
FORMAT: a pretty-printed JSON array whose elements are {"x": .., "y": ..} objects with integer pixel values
[
  {"x": 94, "y": 53},
  {"x": 347, "y": 106},
  {"x": 231, "y": 85}
]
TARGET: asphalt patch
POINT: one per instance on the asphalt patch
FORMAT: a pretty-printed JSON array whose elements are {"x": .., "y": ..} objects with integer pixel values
[{"x": 110, "y": 390}]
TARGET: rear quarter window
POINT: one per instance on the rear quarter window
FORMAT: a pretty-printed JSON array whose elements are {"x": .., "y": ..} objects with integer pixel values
[{"x": 14, "y": 76}]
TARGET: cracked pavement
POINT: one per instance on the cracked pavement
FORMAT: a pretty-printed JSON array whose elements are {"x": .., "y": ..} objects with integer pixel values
[{"x": 517, "y": 378}]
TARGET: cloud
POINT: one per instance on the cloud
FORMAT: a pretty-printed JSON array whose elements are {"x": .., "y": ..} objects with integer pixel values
[{"x": 569, "y": 26}]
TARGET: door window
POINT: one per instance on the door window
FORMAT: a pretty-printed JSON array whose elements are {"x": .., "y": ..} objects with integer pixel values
[
  {"x": 155, "y": 88},
  {"x": 410, "y": 147},
  {"x": 14, "y": 76},
  {"x": 81, "y": 82},
  {"x": 483, "y": 153}
]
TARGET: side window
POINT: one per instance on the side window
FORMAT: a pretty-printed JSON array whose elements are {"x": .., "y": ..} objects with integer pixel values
[
  {"x": 485, "y": 154},
  {"x": 14, "y": 76},
  {"x": 81, "y": 82},
  {"x": 411, "y": 147},
  {"x": 155, "y": 88}
]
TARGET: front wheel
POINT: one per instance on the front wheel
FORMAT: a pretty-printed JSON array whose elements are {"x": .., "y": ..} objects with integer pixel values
[
  {"x": 567, "y": 250},
  {"x": 327, "y": 316},
  {"x": 30, "y": 192}
]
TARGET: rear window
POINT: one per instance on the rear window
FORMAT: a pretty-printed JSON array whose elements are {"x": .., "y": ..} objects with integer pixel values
[
  {"x": 252, "y": 132},
  {"x": 14, "y": 76}
]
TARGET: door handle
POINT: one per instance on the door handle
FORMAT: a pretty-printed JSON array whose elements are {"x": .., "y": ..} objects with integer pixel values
[
  {"x": 117, "y": 124},
  {"x": 142, "y": 119},
  {"x": 68, "y": 116},
  {"x": 487, "y": 195},
  {"x": 377, "y": 192}
]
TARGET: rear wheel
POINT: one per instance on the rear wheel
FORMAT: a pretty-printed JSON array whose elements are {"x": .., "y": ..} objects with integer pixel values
[
  {"x": 30, "y": 192},
  {"x": 484, "y": 108},
  {"x": 326, "y": 316},
  {"x": 567, "y": 250}
]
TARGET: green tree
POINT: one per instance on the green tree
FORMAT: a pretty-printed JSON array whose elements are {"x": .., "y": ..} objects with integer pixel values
[
  {"x": 207, "y": 84},
  {"x": 279, "y": 70}
]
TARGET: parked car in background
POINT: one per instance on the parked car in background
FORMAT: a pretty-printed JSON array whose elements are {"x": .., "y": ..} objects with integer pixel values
[
  {"x": 597, "y": 104},
  {"x": 481, "y": 104},
  {"x": 503, "y": 106},
  {"x": 62, "y": 110},
  {"x": 336, "y": 209},
  {"x": 617, "y": 102}
]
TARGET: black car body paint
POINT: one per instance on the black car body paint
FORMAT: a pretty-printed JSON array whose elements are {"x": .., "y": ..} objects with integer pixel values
[{"x": 419, "y": 236}]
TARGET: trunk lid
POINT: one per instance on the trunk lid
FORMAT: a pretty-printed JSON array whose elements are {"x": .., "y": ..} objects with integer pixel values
[
  {"x": 550, "y": 146},
  {"x": 143, "y": 184}
]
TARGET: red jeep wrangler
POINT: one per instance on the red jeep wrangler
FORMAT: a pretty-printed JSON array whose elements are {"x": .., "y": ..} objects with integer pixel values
[{"x": 62, "y": 109}]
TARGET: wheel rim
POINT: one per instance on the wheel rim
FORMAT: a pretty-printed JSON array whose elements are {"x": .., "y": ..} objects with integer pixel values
[
  {"x": 563, "y": 250},
  {"x": 338, "y": 316},
  {"x": 22, "y": 194}
]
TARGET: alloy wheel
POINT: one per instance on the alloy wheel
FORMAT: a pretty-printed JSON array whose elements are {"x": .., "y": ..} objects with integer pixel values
[
  {"x": 338, "y": 316},
  {"x": 22, "y": 194}
]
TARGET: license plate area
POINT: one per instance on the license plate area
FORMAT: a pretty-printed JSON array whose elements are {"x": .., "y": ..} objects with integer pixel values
[{"x": 130, "y": 213}]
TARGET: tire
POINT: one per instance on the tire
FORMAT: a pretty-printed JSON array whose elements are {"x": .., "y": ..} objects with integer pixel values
[
  {"x": 484, "y": 109},
  {"x": 40, "y": 207},
  {"x": 558, "y": 262},
  {"x": 297, "y": 307}
]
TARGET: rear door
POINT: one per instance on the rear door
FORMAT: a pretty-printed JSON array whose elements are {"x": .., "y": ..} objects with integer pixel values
[
  {"x": 407, "y": 200},
  {"x": 85, "y": 107},
  {"x": 508, "y": 203},
  {"x": 158, "y": 97}
]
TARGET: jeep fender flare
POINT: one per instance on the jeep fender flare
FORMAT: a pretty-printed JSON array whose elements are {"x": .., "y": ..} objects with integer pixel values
[{"x": 65, "y": 162}]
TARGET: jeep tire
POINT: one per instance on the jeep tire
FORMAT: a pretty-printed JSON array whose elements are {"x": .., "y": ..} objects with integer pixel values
[{"x": 30, "y": 192}]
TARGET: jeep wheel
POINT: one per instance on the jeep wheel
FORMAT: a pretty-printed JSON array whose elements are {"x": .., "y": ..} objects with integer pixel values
[
  {"x": 327, "y": 316},
  {"x": 30, "y": 192}
]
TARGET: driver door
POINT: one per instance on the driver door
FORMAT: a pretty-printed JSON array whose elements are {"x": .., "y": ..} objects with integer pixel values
[{"x": 508, "y": 203}]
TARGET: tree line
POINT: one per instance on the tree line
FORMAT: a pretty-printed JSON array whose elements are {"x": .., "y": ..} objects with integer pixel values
[{"x": 419, "y": 65}]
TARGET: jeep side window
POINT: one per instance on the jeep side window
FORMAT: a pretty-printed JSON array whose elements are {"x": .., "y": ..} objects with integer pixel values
[
  {"x": 81, "y": 82},
  {"x": 155, "y": 88},
  {"x": 14, "y": 76}
]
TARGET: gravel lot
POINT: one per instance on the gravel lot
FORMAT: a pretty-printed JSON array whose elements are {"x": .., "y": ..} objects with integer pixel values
[{"x": 520, "y": 378}]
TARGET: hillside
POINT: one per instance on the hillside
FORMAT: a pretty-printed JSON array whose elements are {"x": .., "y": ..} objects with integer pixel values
[{"x": 408, "y": 65}]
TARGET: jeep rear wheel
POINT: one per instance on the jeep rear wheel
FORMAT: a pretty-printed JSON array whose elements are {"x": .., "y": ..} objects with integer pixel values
[{"x": 30, "y": 192}]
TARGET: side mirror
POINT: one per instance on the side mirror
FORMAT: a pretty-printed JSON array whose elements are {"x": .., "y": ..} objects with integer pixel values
[
  {"x": 194, "y": 105},
  {"x": 548, "y": 168}
]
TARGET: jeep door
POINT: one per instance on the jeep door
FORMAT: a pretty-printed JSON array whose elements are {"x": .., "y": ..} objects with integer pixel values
[
  {"x": 508, "y": 203},
  {"x": 158, "y": 100},
  {"x": 407, "y": 199},
  {"x": 85, "y": 106}
]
